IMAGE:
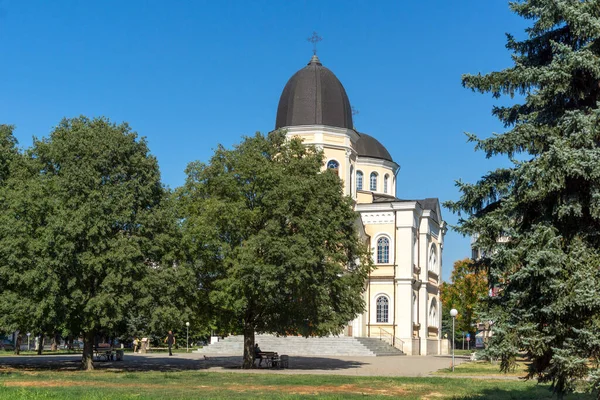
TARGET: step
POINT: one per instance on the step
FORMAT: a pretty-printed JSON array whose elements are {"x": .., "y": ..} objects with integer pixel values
[{"x": 312, "y": 346}]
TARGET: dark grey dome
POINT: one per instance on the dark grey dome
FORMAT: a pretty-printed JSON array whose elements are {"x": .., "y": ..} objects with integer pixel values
[
  {"x": 314, "y": 96},
  {"x": 368, "y": 146}
]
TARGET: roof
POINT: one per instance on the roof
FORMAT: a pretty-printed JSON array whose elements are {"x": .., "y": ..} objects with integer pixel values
[
  {"x": 430, "y": 203},
  {"x": 368, "y": 146},
  {"x": 314, "y": 96}
]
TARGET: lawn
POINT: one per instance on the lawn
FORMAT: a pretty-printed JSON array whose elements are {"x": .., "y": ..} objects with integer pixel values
[
  {"x": 484, "y": 368},
  {"x": 19, "y": 384}
]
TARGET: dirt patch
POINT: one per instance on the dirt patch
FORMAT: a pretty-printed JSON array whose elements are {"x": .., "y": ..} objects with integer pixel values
[
  {"x": 314, "y": 390},
  {"x": 432, "y": 395},
  {"x": 42, "y": 384},
  {"x": 295, "y": 389}
]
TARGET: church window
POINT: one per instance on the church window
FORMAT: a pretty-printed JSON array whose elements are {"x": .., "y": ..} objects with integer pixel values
[
  {"x": 359, "y": 180},
  {"x": 373, "y": 181},
  {"x": 386, "y": 178},
  {"x": 433, "y": 320},
  {"x": 382, "y": 309},
  {"x": 383, "y": 250},
  {"x": 333, "y": 165},
  {"x": 433, "y": 259}
]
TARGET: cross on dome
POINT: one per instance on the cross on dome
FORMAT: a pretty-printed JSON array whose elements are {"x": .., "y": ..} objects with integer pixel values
[{"x": 314, "y": 39}]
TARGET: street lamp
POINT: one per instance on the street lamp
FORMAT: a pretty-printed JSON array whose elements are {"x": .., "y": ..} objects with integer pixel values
[
  {"x": 187, "y": 337},
  {"x": 453, "y": 314}
]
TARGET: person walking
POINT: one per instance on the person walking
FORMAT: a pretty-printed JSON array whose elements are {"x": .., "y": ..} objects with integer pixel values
[{"x": 170, "y": 341}]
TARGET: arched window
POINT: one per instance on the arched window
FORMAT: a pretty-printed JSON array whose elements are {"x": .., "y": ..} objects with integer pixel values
[
  {"x": 386, "y": 179},
  {"x": 333, "y": 165},
  {"x": 382, "y": 309},
  {"x": 351, "y": 177},
  {"x": 359, "y": 180},
  {"x": 383, "y": 250},
  {"x": 433, "y": 319},
  {"x": 373, "y": 181},
  {"x": 433, "y": 259}
]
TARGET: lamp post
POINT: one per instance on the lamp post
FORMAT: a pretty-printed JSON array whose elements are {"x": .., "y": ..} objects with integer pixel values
[
  {"x": 187, "y": 337},
  {"x": 453, "y": 314}
]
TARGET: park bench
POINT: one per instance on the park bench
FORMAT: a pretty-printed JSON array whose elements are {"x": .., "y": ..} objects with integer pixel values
[
  {"x": 104, "y": 351},
  {"x": 272, "y": 359}
]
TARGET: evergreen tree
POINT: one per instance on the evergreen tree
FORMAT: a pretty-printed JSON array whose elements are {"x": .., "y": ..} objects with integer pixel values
[
  {"x": 538, "y": 220},
  {"x": 274, "y": 240}
]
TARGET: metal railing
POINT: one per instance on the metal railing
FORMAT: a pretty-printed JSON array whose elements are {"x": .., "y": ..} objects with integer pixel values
[{"x": 392, "y": 340}]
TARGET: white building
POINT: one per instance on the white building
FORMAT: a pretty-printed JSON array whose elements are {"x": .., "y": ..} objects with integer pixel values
[{"x": 406, "y": 236}]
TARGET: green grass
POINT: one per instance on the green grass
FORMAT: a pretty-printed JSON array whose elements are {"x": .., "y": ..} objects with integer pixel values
[
  {"x": 484, "y": 368},
  {"x": 103, "y": 385},
  {"x": 33, "y": 353},
  {"x": 460, "y": 352}
]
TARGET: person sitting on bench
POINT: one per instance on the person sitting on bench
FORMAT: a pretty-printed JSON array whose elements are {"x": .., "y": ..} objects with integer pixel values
[{"x": 257, "y": 354}]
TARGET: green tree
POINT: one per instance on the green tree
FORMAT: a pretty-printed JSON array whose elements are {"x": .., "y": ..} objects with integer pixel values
[
  {"x": 83, "y": 228},
  {"x": 465, "y": 291},
  {"x": 538, "y": 220},
  {"x": 275, "y": 240}
]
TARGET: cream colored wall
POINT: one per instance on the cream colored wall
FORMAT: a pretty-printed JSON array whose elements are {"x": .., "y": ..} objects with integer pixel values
[
  {"x": 335, "y": 147},
  {"x": 381, "y": 288},
  {"x": 339, "y": 155},
  {"x": 363, "y": 197},
  {"x": 381, "y": 171},
  {"x": 396, "y": 279}
]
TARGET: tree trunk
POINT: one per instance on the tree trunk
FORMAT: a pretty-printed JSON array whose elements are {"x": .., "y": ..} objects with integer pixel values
[
  {"x": 87, "y": 360},
  {"x": 18, "y": 344},
  {"x": 41, "y": 344},
  {"x": 248, "y": 347},
  {"x": 54, "y": 345}
]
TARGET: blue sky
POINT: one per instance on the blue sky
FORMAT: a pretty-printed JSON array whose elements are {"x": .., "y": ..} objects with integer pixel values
[{"x": 191, "y": 74}]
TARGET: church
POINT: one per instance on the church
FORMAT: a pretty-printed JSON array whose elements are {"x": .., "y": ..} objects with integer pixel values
[{"x": 406, "y": 237}]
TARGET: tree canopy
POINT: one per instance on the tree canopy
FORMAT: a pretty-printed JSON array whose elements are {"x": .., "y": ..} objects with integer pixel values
[
  {"x": 83, "y": 227},
  {"x": 538, "y": 221},
  {"x": 464, "y": 292},
  {"x": 275, "y": 238}
]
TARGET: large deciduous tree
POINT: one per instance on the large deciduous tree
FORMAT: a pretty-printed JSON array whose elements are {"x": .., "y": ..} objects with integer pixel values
[
  {"x": 546, "y": 206},
  {"x": 84, "y": 227},
  {"x": 464, "y": 292},
  {"x": 275, "y": 239}
]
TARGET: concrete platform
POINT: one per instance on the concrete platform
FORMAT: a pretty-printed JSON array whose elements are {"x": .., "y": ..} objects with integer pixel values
[{"x": 357, "y": 366}]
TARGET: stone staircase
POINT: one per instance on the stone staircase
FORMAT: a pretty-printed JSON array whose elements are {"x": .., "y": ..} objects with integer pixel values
[
  {"x": 379, "y": 347},
  {"x": 301, "y": 346}
]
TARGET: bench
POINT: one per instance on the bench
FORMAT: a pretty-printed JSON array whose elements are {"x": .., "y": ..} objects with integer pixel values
[
  {"x": 272, "y": 359},
  {"x": 104, "y": 352}
]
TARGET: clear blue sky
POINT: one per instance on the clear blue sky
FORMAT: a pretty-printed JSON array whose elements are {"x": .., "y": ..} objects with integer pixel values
[{"x": 191, "y": 74}]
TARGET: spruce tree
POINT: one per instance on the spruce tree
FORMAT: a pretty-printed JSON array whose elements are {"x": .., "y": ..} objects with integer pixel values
[{"x": 538, "y": 220}]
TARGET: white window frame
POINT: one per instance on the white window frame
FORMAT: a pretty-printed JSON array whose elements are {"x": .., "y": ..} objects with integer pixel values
[
  {"x": 362, "y": 179},
  {"x": 386, "y": 179},
  {"x": 376, "y": 176},
  {"x": 433, "y": 262}
]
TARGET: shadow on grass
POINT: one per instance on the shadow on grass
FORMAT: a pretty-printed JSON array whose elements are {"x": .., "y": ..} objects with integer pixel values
[
  {"x": 528, "y": 393},
  {"x": 139, "y": 363}
]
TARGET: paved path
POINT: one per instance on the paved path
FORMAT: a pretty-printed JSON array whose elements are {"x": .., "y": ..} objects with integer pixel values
[{"x": 358, "y": 366}]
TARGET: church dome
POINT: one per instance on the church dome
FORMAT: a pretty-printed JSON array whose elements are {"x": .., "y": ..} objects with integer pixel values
[
  {"x": 314, "y": 96},
  {"x": 368, "y": 146}
]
